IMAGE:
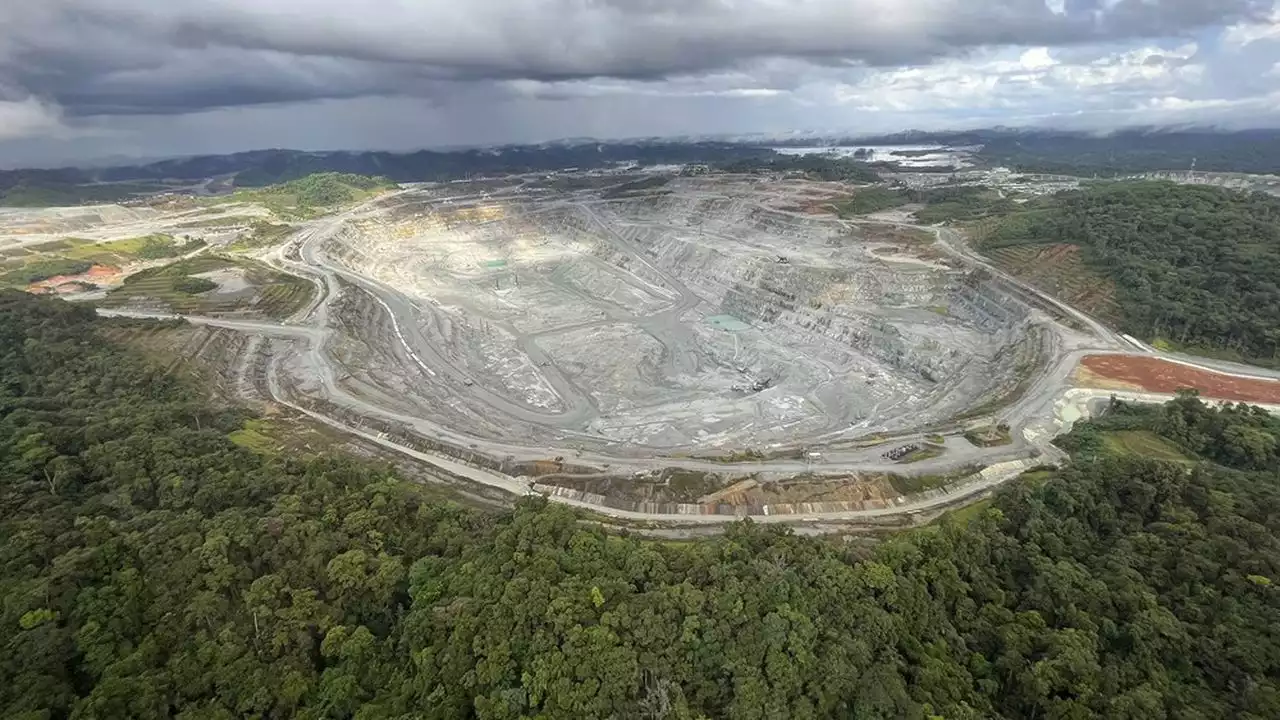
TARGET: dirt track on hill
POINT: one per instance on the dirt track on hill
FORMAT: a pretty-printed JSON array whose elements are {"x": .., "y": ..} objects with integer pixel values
[{"x": 1162, "y": 376}]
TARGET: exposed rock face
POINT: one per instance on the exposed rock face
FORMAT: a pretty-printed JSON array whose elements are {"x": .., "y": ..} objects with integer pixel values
[{"x": 701, "y": 317}]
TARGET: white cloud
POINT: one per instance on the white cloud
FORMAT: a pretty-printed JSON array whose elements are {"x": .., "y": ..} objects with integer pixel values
[
  {"x": 715, "y": 86},
  {"x": 1180, "y": 104},
  {"x": 211, "y": 75},
  {"x": 1036, "y": 77},
  {"x": 29, "y": 117},
  {"x": 1244, "y": 34},
  {"x": 1036, "y": 59},
  {"x": 1140, "y": 68}
]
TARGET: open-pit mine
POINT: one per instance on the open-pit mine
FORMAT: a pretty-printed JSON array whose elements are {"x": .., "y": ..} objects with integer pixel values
[
  {"x": 701, "y": 319},
  {"x": 656, "y": 347}
]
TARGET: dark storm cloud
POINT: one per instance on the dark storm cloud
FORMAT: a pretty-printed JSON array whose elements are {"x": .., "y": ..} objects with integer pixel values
[
  {"x": 95, "y": 57},
  {"x": 221, "y": 77}
]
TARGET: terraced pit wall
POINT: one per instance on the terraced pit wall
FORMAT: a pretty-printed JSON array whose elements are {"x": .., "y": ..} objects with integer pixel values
[{"x": 660, "y": 313}]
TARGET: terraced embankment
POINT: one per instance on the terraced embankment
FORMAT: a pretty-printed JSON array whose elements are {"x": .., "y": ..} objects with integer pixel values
[{"x": 694, "y": 323}]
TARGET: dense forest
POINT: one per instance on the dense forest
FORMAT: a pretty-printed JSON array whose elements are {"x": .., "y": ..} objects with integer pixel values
[
  {"x": 314, "y": 194},
  {"x": 150, "y": 568},
  {"x": 324, "y": 189},
  {"x": 1196, "y": 265},
  {"x": 1233, "y": 435}
]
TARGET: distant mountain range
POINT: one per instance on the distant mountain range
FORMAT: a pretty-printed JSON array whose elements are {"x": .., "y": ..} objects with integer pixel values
[
  {"x": 1254, "y": 151},
  {"x": 265, "y": 167},
  {"x": 1075, "y": 152}
]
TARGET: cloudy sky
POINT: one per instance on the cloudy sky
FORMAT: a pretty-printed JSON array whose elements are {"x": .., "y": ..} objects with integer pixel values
[{"x": 92, "y": 79}]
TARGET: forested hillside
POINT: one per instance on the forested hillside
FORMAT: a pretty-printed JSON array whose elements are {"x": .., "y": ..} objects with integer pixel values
[
  {"x": 1233, "y": 435},
  {"x": 1089, "y": 154},
  {"x": 260, "y": 168},
  {"x": 313, "y": 194},
  {"x": 1197, "y": 266},
  {"x": 151, "y": 568}
]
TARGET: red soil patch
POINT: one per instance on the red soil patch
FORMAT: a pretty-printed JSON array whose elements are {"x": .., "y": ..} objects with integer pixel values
[
  {"x": 97, "y": 275},
  {"x": 1161, "y": 376}
]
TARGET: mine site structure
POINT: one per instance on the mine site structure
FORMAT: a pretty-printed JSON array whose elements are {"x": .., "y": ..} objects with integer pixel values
[
  {"x": 754, "y": 386},
  {"x": 900, "y": 452}
]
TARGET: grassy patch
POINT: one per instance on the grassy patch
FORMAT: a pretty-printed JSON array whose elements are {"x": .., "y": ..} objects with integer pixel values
[
  {"x": 1143, "y": 443},
  {"x": 263, "y": 234},
  {"x": 691, "y": 484},
  {"x": 273, "y": 294},
  {"x": 870, "y": 200},
  {"x": 103, "y": 253},
  {"x": 990, "y": 436},
  {"x": 158, "y": 247},
  {"x": 912, "y": 484},
  {"x": 127, "y": 248},
  {"x": 119, "y": 252},
  {"x": 310, "y": 196},
  {"x": 255, "y": 435},
  {"x": 147, "y": 247},
  {"x": 56, "y": 245},
  {"x": 1036, "y": 477},
  {"x": 282, "y": 433},
  {"x": 968, "y": 513},
  {"x": 38, "y": 270}
]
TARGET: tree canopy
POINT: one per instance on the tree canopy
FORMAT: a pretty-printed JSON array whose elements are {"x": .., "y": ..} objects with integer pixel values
[
  {"x": 1196, "y": 265},
  {"x": 151, "y": 568}
]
